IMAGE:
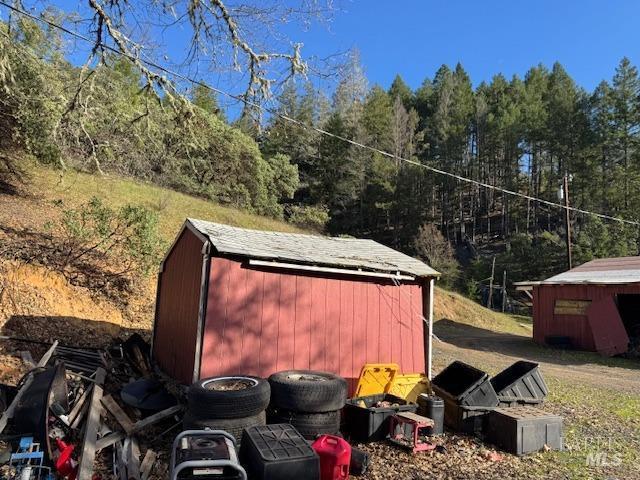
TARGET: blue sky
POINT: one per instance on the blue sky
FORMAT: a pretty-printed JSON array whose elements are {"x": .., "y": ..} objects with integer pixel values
[{"x": 414, "y": 37}]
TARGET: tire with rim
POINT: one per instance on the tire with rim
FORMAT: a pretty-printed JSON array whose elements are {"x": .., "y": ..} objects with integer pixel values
[
  {"x": 308, "y": 391},
  {"x": 229, "y": 396},
  {"x": 234, "y": 426},
  {"x": 310, "y": 425}
]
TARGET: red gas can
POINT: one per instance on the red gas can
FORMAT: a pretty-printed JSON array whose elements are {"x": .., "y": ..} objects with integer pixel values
[
  {"x": 335, "y": 456},
  {"x": 65, "y": 464}
]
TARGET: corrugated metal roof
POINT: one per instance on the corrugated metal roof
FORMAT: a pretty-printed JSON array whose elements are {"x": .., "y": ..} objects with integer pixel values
[
  {"x": 351, "y": 253},
  {"x": 602, "y": 271}
]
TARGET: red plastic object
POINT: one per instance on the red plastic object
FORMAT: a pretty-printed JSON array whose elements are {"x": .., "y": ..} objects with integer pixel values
[
  {"x": 409, "y": 430},
  {"x": 65, "y": 464},
  {"x": 335, "y": 456}
]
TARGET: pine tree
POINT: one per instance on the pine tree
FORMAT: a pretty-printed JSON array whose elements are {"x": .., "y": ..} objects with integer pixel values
[
  {"x": 626, "y": 123},
  {"x": 205, "y": 99},
  {"x": 399, "y": 89}
]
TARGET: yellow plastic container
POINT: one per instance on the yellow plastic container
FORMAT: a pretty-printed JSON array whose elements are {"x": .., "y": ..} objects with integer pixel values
[
  {"x": 375, "y": 377},
  {"x": 408, "y": 386}
]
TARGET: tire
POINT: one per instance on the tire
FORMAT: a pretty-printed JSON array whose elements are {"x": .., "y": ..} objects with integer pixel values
[
  {"x": 229, "y": 396},
  {"x": 310, "y": 425},
  {"x": 234, "y": 426},
  {"x": 308, "y": 391}
]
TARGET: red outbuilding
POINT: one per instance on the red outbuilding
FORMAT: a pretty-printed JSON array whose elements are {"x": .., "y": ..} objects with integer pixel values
[
  {"x": 233, "y": 300},
  {"x": 594, "y": 307}
]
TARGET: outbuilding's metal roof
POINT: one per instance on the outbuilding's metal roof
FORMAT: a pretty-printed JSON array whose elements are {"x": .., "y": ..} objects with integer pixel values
[
  {"x": 350, "y": 253},
  {"x": 602, "y": 271}
]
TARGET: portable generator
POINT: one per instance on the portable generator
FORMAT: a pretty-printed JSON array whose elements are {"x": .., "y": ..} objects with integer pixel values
[{"x": 205, "y": 454}]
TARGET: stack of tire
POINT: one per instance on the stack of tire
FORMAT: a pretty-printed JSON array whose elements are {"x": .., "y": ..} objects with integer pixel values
[
  {"x": 230, "y": 403},
  {"x": 310, "y": 401}
]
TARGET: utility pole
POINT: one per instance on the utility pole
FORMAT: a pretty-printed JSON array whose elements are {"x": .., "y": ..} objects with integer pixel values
[
  {"x": 504, "y": 291},
  {"x": 493, "y": 271},
  {"x": 568, "y": 219}
]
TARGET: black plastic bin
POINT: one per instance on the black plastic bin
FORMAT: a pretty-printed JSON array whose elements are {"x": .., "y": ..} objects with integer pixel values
[
  {"x": 432, "y": 407},
  {"x": 465, "y": 385},
  {"x": 369, "y": 423},
  {"x": 463, "y": 418},
  {"x": 524, "y": 429},
  {"x": 521, "y": 383},
  {"x": 278, "y": 452},
  {"x": 472, "y": 420}
]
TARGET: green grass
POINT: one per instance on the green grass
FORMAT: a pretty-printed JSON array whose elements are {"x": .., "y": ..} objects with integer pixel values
[
  {"x": 597, "y": 420},
  {"x": 460, "y": 309},
  {"x": 172, "y": 207}
]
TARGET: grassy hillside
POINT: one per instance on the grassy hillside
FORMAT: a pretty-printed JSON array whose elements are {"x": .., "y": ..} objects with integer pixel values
[
  {"x": 457, "y": 308},
  {"x": 172, "y": 207}
]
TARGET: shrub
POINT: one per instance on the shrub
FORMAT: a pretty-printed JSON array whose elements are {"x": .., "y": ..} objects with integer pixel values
[
  {"x": 313, "y": 217},
  {"x": 121, "y": 243},
  {"x": 278, "y": 180}
]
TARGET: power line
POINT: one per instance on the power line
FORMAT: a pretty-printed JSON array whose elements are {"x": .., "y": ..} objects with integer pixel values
[{"x": 247, "y": 102}]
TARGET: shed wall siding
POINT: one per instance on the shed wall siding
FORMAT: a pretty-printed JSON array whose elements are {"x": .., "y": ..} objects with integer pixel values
[
  {"x": 175, "y": 335},
  {"x": 574, "y": 326},
  {"x": 262, "y": 321}
]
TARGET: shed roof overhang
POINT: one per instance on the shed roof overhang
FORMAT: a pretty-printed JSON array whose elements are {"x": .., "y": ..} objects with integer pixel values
[{"x": 347, "y": 256}]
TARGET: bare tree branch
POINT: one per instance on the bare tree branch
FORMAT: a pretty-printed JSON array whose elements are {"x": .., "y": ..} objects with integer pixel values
[{"x": 221, "y": 34}]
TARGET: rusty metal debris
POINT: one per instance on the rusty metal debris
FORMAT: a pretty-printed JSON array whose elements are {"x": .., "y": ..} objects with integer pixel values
[{"x": 70, "y": 403}]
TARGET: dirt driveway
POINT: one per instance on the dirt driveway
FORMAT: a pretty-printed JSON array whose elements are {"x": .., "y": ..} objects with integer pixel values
[{"x": 494, "y": 351}]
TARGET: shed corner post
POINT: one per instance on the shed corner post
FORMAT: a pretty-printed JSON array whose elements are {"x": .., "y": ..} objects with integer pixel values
[
  {"x": 538, "y": 330},
  {"x": 202, "y": 310},
  {"x": 427, "y": 309},
  {"x": 155, "y": 309}
]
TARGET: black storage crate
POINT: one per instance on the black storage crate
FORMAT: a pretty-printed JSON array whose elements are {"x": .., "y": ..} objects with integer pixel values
[
  {"x": 278, "y": 452},
  {"x": 465, "y": 385},
  {"x": 524, "y": 429},
  {"x": 369, "y": 423},
  {"x": 522, "y": 382},
  {"x": 472, "y": 420},
  {"x": 463, "y": 418}
]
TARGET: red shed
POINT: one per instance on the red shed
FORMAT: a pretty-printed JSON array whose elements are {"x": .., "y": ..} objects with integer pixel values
[
  {"x": 233, "y": 300},
  {"x": 596, "y": 306}
]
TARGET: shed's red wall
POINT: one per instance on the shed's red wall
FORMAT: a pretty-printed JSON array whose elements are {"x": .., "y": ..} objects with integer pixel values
[
  {"x": 262, "y": 321},
  {"x": 178, "y": 305},
  {"x": 576, "y": 327}
]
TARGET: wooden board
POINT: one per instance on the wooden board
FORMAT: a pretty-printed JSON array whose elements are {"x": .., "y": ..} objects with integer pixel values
[
  {"x": 571, "y": 307},
  {"x": 133, "y": 460},
  {"x": 147, "y": 464},
  {"x": 156, "y": 417},
  {"x": 109, "y": 440},
  {"x": 119, "y": 414},
  {"x": 121, "y": 462},
  {"x": 136, "y": 427},
  {"x": 79, "y": 406},
  {"x": 88, "y": 454}
]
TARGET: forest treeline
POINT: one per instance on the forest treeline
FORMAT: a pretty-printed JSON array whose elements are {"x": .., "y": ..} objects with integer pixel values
[{"x": 521, "y": 134}]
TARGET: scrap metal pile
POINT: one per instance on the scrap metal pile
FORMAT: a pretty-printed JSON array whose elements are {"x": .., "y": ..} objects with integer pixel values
[
  {"x": 90, "y": 414},
  {"x": 63, "y": 413}
]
